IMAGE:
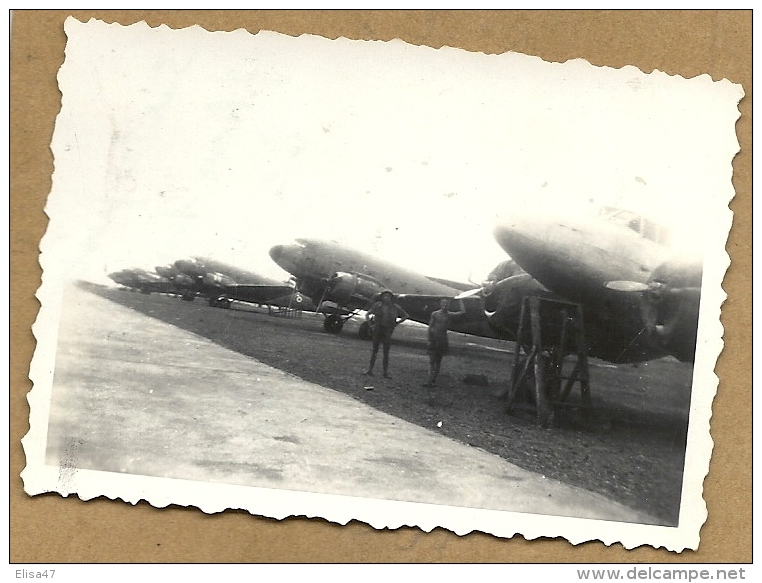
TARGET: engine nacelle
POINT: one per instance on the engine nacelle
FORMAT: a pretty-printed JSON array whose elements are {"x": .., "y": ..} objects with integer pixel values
[
  {"x": 504, "y": 270},
  {"x": 191, "y": 267},
  {"x": 502, "y": 301},
  {"x": 167, "y": 271},
  {"x": 670, "y": 306},
  {"x": 183, "y": 280},
  {"x": 344, "y": 287},
  {"x": 217, "y": 280}
]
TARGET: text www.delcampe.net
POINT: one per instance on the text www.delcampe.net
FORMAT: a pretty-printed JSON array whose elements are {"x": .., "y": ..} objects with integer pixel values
[{"x": 661, "y": 573}]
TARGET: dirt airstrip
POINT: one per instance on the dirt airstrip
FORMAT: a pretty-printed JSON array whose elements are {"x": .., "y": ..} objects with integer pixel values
[{"x": 630, "y": 447}]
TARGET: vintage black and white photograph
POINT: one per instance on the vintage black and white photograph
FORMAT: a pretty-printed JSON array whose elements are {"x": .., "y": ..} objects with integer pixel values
[{"x": 374, "y": 281}]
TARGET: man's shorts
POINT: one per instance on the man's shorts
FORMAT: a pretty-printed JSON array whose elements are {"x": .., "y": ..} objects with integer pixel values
[
  {"x": 382, "y": 334},
  {"x": 438, "y": 346}
]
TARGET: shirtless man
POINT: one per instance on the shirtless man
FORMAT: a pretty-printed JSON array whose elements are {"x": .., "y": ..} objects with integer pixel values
[
  {"x": 387, "y": 316},
  {"x": 438, "y": 344}
]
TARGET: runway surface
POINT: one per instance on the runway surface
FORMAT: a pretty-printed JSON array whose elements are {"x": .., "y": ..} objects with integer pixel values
[{"x": 146, "y": 398}]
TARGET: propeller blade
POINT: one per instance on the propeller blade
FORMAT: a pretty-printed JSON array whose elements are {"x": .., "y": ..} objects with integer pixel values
[
  {"x": 627, "y": 286},
  {"x": 469, "y": 293}
]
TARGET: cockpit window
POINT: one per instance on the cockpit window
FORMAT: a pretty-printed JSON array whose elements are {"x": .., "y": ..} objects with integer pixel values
[{"x": 645, "y": 227}]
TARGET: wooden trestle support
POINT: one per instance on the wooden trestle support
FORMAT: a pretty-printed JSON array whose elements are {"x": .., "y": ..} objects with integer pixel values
[{"x": 549, "y": 331}]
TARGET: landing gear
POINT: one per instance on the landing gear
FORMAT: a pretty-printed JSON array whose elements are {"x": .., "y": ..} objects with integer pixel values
[
  {"x": 220, "y": 302},
  {"x": 189, "y": 296},
  {"x": 333, "y": 324},
  {"x": 335, "y": 317},
  {"x": 365, "y": 332}
]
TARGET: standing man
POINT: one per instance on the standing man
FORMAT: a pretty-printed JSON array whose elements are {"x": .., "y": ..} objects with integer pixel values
[
  {"x": 387, "y": 316},
  {"x": 438, "y": 344}
]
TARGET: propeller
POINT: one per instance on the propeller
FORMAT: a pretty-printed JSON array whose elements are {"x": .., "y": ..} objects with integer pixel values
[
  {"x": 627, "y": 286},
  {"x": 470, "y": 293},
  {"x": 670, "y": 304}
]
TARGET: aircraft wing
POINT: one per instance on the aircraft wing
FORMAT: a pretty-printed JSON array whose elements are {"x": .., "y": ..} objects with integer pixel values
[
  {"x": 159, "y": 286},
  {"x": 492, "y": 310},
  {"x": 460, "y": 286},
  {"x": 473, "y": 321},
  {"x": 267, "y": 294},
  {"x": 421, "y": 306}
]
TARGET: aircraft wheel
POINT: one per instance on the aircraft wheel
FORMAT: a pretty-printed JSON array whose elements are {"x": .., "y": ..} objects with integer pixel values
[
  {"x": 365, "y": 332},
  {"x": 188, "y": 297},
  {"x": 333, "y": 324},
  {"x": 220, "y": 302}
]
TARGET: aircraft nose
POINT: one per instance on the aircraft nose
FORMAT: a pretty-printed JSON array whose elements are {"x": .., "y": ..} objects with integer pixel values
[
  {"x": 165, "y": 270},
  {"x": 518, "y": 232},
  {"x": 276, "y": 252}
]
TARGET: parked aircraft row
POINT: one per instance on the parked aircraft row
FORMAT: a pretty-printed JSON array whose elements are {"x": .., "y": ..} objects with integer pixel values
[
  {"x": 219, "y": 282},
  {"x": 142, "y": 280},
  {"x": 638, "y": 301}
]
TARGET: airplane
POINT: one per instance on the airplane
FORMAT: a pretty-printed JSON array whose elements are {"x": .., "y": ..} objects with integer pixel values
[
  {"x": 639, "y": 300},
  {"x": 636, "y": 301},
  {"x": 183, "y": 284},
  {"x": 142, "y": 280},
  {"x": 342, "y": 281},
  {"x": 222, "y": 283}
]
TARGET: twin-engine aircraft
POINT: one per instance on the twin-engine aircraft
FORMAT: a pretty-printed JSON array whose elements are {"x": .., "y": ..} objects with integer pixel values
[
  {"x": 341, "y": 281},
  {"x": 638, "y": 301},
  {"x": 221, "y": 283},
  {"x": 144, "y": 281}
]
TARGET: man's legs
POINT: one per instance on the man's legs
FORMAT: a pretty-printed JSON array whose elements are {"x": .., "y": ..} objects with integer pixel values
[
  {"x": 437, "y": 364},
  {"x": 435, "y": 360},
  {"x": 374, "y": 352},
  {"x": 387, "y": 346}
]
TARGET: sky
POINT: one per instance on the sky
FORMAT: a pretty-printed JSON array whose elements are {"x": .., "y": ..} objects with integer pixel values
[{"x": 172, "y": 143}]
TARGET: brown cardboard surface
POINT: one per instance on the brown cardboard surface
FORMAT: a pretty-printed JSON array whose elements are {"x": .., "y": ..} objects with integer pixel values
[{"x": 50, "y": 528}]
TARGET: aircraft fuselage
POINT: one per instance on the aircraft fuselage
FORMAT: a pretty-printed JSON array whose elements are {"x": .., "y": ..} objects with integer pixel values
[
  {"x": 142, "y": 280},
  {"x": 314, "y": 262},
  {"x": 199, "y": 267},
  {"x": 577, "y": 258},
  {"x": 323, "y": 267}
]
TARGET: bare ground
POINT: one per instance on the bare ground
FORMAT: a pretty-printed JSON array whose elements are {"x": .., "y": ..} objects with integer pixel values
[{"x": 630, "y": 447}]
